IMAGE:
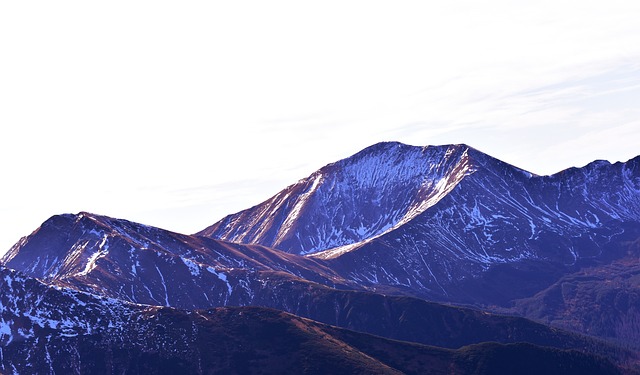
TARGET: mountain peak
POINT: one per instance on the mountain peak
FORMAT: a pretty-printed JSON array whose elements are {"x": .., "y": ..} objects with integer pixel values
[
  {"x": 398, "y": 148},
  {"x": 68, "y": 219},
  {"x": 369, "y": 192},
  {"x": 392, "y": 150},
  {"x": 46, "y": 254}
]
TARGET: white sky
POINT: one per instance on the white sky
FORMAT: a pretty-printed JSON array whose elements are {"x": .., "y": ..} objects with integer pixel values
[{"x": 176, "y": 113}]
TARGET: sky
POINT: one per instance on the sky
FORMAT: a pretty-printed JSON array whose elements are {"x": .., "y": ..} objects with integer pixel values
[{"x": 175, "y": 114}]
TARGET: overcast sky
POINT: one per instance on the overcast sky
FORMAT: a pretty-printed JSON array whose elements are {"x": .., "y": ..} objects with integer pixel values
[{"x": 176, "y": 113}]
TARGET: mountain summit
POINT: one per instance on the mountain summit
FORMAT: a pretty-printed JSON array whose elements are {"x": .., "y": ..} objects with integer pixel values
[
  {"x": 368, "y": 194},
  {"x": 447, "y": 222}
]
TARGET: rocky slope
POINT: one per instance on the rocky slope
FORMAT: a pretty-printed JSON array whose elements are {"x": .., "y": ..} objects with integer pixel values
[
  {"x": 448, "y": 222},
  {"x": 444, "y": 223},
  {"x": 49, "y": 330},
  {"x": 352, "y": 200},
  {"x": 601, "y": 301},
  {"x": 142, "y": 264},
  {"x": 132, "y": 262}
]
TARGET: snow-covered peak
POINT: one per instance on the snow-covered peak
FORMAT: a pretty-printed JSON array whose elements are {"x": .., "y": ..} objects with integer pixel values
[{"x": 356, "y": 198}]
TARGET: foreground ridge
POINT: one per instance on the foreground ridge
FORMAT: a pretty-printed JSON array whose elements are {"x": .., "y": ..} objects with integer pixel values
[{"x": 45, "y": 329}]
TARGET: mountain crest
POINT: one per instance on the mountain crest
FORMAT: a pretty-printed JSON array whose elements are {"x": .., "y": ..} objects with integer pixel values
[{"x": 353, "y": 199}]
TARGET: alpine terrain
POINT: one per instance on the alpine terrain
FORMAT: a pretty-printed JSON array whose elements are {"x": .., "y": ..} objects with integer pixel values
[
  {"x": 452, "y": 224},
  {"x": 398, "y": 259}
]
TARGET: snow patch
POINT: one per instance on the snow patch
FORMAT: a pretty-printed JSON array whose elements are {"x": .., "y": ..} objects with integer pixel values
[
  {"x": 222, "y": 276},
  {"x": 297, "y": 208},
  {"x": 5, "y": 330},
  {"x": 164, "y": 285},
  {"x": 193, "y": 266}
]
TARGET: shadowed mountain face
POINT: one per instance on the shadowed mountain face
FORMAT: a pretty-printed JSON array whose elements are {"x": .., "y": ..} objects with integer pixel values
[
  {"x": 51, "y": 330},
  {"x": 602, "y": 301},
  {"x": 44, "y": 329}
]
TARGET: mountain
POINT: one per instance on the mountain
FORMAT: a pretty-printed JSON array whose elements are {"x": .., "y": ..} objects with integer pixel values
[
  {"x": 359, "y": 247},
  {"x": 132, "y": 262},
  {"x": 45, "y": 329},
  {"x": 375, "y": 190},
  {"x": 448, "y": 223},
  {"x": 142, "y": 264}
]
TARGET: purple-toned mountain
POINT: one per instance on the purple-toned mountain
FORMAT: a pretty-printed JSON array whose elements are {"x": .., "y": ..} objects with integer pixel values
[
  {"x": 53, "y": 330},
  {"x": 448, "y": 222},
  {"x": 445, "y": 223},
  {"x": 136, "y": 263},
  {"x": 344, "y": 203},
  {"x": 142, "y": 264}
]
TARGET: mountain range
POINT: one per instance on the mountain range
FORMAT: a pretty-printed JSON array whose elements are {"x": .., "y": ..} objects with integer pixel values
[{"x": 441, "y": 254}]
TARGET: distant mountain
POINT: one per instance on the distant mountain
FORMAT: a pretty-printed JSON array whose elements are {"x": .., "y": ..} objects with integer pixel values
[{"x": 448, "y": 223}]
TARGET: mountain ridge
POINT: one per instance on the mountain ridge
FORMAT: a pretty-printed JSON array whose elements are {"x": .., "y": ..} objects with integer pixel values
[
  {"x": 187, "y": 284},
  {"x": 45, "y": 328},
  {"x": 124, "y": 260},
  {"x": 279, "y": 215},
  {"x": 413, "y": 171},
  {"x": 500, "y": 234},
  {"x": 362, "y": 243}
]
